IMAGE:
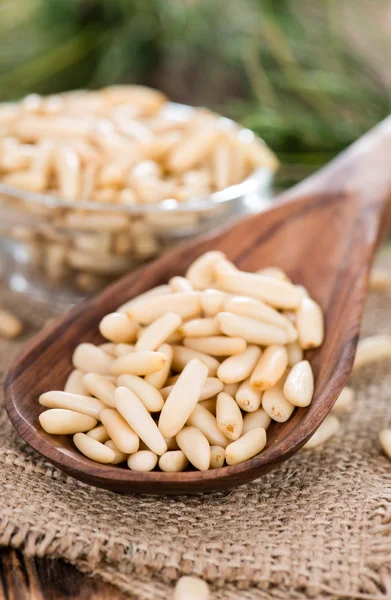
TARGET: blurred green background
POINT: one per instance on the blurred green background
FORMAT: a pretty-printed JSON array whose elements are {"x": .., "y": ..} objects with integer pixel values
[{"x": 308, "y": 76}]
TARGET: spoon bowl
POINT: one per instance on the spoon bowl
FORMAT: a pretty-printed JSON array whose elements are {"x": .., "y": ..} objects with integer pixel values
[{"x": 323, "y": 233}]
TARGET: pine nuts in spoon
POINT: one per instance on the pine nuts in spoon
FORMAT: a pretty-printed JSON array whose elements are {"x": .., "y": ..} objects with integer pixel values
[{"x": 192, "y": 374}]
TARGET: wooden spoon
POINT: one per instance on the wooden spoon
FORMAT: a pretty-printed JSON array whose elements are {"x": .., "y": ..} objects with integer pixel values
[{"x": 323, "y": 234}]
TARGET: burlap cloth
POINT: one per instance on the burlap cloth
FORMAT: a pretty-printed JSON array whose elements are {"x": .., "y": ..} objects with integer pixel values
[{"x": 318, "y": 526}]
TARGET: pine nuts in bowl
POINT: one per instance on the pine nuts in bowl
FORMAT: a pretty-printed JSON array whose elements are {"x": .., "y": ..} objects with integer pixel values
[
  {"x": 93, "y": 183},
  {"x": 190, "y": 379}
]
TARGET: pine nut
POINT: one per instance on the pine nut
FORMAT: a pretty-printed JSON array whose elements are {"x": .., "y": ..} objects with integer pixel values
[
  {"x": 200, "y": 328},
  {"x": 325, "y": 431},
  {"x": 275, "y": 404},
  {"x": 344, "y": 402},
  {"x": 299, "y": 385},
  {"x": 83, "y": 404},
  {"x": 119, "y": 431},
  {"x": 183, "y": 398},
  {"x": 139, "y": 419},
  {"x": 118, "y": 328},
  {"x": 216, "y": 345},
  {"x": 246, "y": 447},
  {"x": 99, "y": 433},
  {"x": 279, "y": 294},
  {"x": 201, "y": 273},
  {"x": 93, "y": 449},
  {"x": 195, "y": 447},
  {"x": 254, "y": 332},
  {"x": 309, "y": 323},
  {"x": 100, "y": 387},
  {"x": 62, "y": 422},
  {"x": 10, "y": 326},
  {"x": 173, "y": 461},
  {"x": 217, "y": 457},
  {"x": 143, "y": 460},
  {"x": 119, "y": 457},
  {"x": 139, "y": 363},
  {"x": 68, "y": 172},
  {"x": 385, "y": 441},
  {"x": 75, "y": 384},
  {"x": 160, "y": 290},
  {"x": 295, "y": 353},
  {"x": 185, "y": 304},
  {"x": 372, "y": 349},
  {"x": 184, "y": 355},
  {"x": 180, "y": 284},
  {"x": 157, "y": 333},
  {"x": 228, "y": 416},
  {"x": 247, "y": 397},
  {"x": 239, "y": 367},
  {"x": 90, "y": 359},
  {"x": 258, "y": 418},
  {"x": 191, "y": 588},
  {"x": 212, "y": 302},
  {"x": 203, "y": 420},
  {"x": 149, "y": 395},
  {"x": 270, "y": 368},
  {"x": 159, "y": 378}
]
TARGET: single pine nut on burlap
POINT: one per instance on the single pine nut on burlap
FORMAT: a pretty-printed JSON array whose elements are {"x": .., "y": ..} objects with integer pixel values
[{"x": 316, "y": 527}]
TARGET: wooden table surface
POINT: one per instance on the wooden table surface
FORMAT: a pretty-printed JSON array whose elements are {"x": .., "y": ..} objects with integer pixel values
[{"x": 43, "y": 579}]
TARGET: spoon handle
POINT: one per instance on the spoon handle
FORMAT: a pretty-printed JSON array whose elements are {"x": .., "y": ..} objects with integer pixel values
[{"x": 363, "y": 171}]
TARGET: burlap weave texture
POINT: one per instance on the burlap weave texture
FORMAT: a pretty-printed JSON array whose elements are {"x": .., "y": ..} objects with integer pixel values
[{"x": 319, "y": 526}]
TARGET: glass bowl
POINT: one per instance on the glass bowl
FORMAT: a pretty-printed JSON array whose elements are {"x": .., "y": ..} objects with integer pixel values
[{"x": 60, "y": 251}]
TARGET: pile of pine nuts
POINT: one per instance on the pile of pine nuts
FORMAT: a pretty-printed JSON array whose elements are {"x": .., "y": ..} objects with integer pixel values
[
  {"x": 121, "y": 147},
  {"x": 192, "y": 372}
]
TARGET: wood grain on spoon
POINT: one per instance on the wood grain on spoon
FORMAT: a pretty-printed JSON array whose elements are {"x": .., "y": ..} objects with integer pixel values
[{"x": 323, "y": 234}]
